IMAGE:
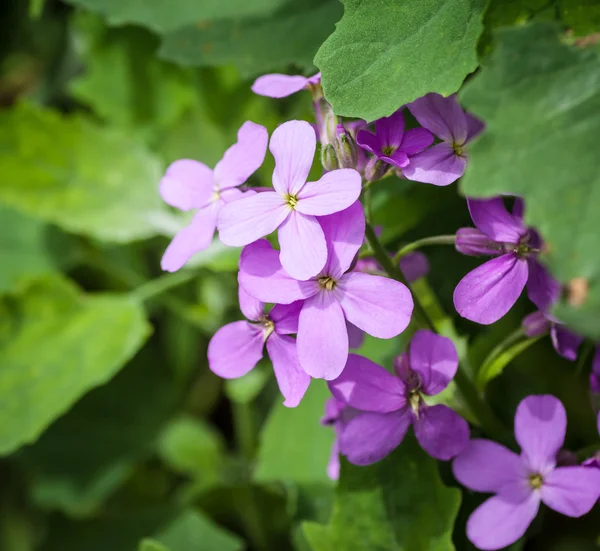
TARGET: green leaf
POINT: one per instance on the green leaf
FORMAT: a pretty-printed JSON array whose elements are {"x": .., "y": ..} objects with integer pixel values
[
  {"x": 163, "y": 16},
  {"x": 22, "y": 249},
  {"x": 398, "y": 504},
  {"x": 244, "y": 390},
  {"x": 384, "y": 55},
  {"x": 582, "y": 16},
  {"x": 79, "y": 176},
  {"x": 152, "y": 545},
  {"x": 303, "y": 458},
  {"x": 257, "y": 45},
  {"x": 61, "y": 345},
  {"x": 548, "y": 102}
]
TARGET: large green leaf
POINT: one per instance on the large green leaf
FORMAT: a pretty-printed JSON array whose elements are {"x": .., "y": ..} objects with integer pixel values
[
  {"x": 388, "y": 53},
  {"x": 161, "y": 16},
  {"x": 84, "y": 178},
  {"x": 542, "y": 115},
  {"x": 57, "y": 345},
  {"x": 257, "y": 45},
  {"x": 398, "y": 504}
]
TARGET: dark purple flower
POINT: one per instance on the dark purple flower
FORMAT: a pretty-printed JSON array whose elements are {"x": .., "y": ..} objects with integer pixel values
[
  {"x": 565, "y": 342},
  {"x": 489, "y": 292},
  {"x": 522, "y": 482},
  {"x": 280, "y": 86},
  {"x": 391, "y": 143},
  {"x": 337, "y": 414},
  {"x": 445, "y": 162},
  {"x": 389, "y": 404}
]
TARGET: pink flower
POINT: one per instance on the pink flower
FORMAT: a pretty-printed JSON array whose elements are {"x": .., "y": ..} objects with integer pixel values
[
  {"x": 294, "y": 205},
  {"x": 281, "y": 86}
]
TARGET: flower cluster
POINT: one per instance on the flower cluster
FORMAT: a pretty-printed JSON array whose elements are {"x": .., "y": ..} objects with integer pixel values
[{"x": 311, "y": 298}]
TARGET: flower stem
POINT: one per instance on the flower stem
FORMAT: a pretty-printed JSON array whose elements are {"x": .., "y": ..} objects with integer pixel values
[
  {"x": 162, "y": 284},
  {"x": 425, "y": 242},
  {"x": 510, "y": 339}
]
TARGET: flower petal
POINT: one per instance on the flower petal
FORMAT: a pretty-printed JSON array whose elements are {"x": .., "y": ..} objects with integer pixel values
[
  {"x": 252, "y": 308},
  {"x": 367, "y": 140},
  {"x": 367, "y": 386},
  {"x": 540, "y": 428},
  {"x": 279, "y": 86},
  {"x": 390, "y": 130},
  {"x": 303, "y": 248},
  {"x": 187, "y": 184},
  {"x": 489, "y": 291},
  {"x": 293, "y": 145},
  {"x": 414, "y": 266},
  {"x": 333, "y": 465},
  {"x": 441, "y": 432},
  {"x": 502, "y": 520},
  {"x": 474, "y": 126},
  {"x": 572, "y": 491},
  {"x": 235, "y": 349},
  {"x": 262, "y": 276},
  {"x": 244, "y": 157},
  {"x": 435, "y": 359},
  {"x": 244, "y": 221},
  {"x": 191, "y": 239},
  {"x": 565, "y": 342},
  {"x": 369, "y": 437},
  {"x": 291, "y": 378},
  {"x": 398, "y": 158},
  {"x": 335, "y": 191},
  {"x": 285, "y": 317},
  {"x": 492, "y": 218},
  {"x": 486, "y": 466},
  {"x": 473, "y": 242},
  {"x": 443, "y": 116},
  {"x": 416, "y": 140},
  {"x": 542, "y": 289},
  {"x": 322, "y": 337},
  {"x": 439, "y": 165},
  {"x": 535, "y": 324},
  {"x": 378, "y": 305},
  {"x": 356, "y": 336}
]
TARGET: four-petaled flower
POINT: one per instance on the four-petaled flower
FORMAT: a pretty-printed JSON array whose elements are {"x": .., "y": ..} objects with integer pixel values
[
  {"x": 522, "y": 482},
  {"x": 565, "y": 342},
  {"x": 280, "y": 86},
  {"x": 389, "y": 404},
  {"x": 294, "y": 205},
  {"x": 337, "y": 414}
]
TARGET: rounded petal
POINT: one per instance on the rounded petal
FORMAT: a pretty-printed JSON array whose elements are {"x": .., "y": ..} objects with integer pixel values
[
  {"x": 369, "y": 437},
  {"x": 416, "y": 140},
  {"x": 303, "y": 248},
  {"x": 292, "y": 380},
  {"x": 187, "y": 184},
  {"x": 572, "y": 491},
  {"x": 474, "y": 126},
  {"x": 322, "y": 337},
  {"x": 378, "y": 305},
  {"x": 443, "y": 116},
  {"x": 542, "y": 289},
  {"x": 252, "y": 308},
  {"x": 535, "y": 324},
  {"x": 565, "y": 342},
  {"x": 439, "y": 165},
  {"x": 540, "y": 428},
  {"x": 390, "y": 130},
  {"x": 398, "y": 158},
  {"x": 279, "y": 86},
  {"x": 335, "y": 191},
  {"x": 434, "y": 358},
  {"x": 244, "y": 157},
  {"x": 489, "y": 291},
  {"x": 441, "y": 432},
  {"x": 414, "y": 266},
  {"x": 244, "y": 221},
  {"x": 286, "y": 316},
  {"x": 501, "y": 520},
  {"x": 367, "y": 386},
  {"x": 486, "y": 466},
  {"x": 368, "y": 141},
  {"x": 235, "y": 349},
  {"x": 293, "y": 145},
  {"x": 262, "y": 276},
  {"x": 473, "y": 242},
  {"x": 492, "y": 218},
  {"x": 356, "y": 337}
]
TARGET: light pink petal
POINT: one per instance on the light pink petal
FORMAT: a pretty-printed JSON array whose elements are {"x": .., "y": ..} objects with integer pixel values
[
  {"x": 356, "y": 336},
  {"x": 441, "y": 432},
  {"x": 486, "y": 466},
  {"x": 187, "y": 184},
  {"x": 490, "y": 291},
  {"x": 344, "y": 233},
  {"x": 443, "y": 116},
  {"x": 262, "y": 276},
  {"x": 378, "y": 305},
  {"x": 291, "y": 378},
  {"x": 434, "y": 358},
  {"x": 244, "y": 221},
  {"x": 492, "y": 218},
  {"x": 192, "y": 239},
  {"x": 540, "y": 428},
  {"x": 335, "y": 191},
  {"x": 369, "y": 437},
  {"x": 303, "y": 248},
  {"x": 368, "y": 141},
  {"x": 293, "y": 145},
  {"x": 244, "y": 157},
  {"x": 279, "y": 86},
  {"x": 286, "y": 316},
  {"x": 322, "y": 337},
  {"x": 235, "y": 349},
  {"x": 415, "y": 140},
  {"x": 439, "y": 165},
  {"x": 571, "y": 491},
  {"x": 367, "y": 386},
  {"x": 252, "y": 308},
  {"x": 502, "y": 520}
]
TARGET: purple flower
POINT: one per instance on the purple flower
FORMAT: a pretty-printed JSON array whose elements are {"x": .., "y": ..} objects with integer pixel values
[
  {"x": 521, "y": 482},
  {"x": 379, "y": 306},
  {"x": 565, "y": 342},
  {"x": 595, "y": 383},
  {"x": 389, "y": 404},
  {"x": 337, "y": 414},
  {"x": 281, "y": 86},
  {"x": 445, "y": 162},
  {"x": 237, "y": 347},
  {"x": 413, "y": 266},
  {"x": 294, "y": 205},
  {"x": 488, "y": 292},
  {"x": 190, "y": 184},
  {"x": 391, "y": 143}
]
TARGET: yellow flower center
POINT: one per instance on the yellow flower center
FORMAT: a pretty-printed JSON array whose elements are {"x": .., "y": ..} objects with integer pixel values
[
  {"x": 292, "y": 201},
  {"x": 326, "y": 283},
  {"x": 536, "y": 481}
]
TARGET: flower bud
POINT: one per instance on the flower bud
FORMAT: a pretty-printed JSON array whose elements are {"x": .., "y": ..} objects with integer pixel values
[
  {"x": 328, "y": 157},
  {"x": 375, "y": 169},
  {"x": 345, "y": 148},
  {"x": 535, "y": 324},
  {"x": 330, "y": 123},
  {"x": 472, "y": 242}
]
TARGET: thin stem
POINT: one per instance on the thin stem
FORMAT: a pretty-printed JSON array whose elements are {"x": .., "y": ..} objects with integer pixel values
[
  {"x": 425, "y": 242},
  {"x": 161, "y": 284}
]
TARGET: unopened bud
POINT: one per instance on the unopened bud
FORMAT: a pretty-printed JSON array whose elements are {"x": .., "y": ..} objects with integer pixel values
[
  {"x": 346, "y": 149},
  {"x": 472, "y": 242},
  {"x": 535, "y": 324},
  {"x": 328, "y": 157},
  {"x": 375, "y": 169},
  {"x": 330, "y": 122}
]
